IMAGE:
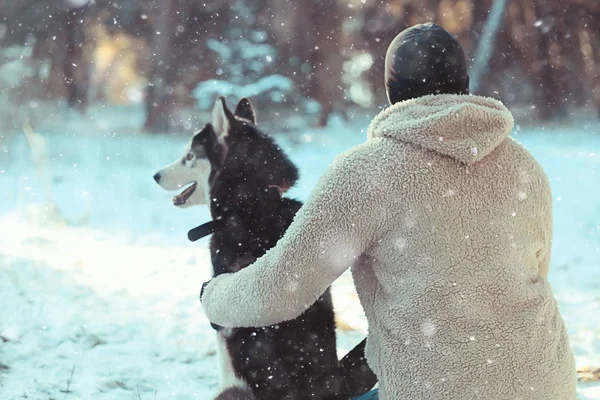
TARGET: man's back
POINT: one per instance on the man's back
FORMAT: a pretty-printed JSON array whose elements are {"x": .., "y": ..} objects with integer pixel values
[{"x": 455, "y": 288}]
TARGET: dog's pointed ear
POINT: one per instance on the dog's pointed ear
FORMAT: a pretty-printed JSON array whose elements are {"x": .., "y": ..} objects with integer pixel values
[
  {"x": 228, "y": 114},
  {"x": 245, "y": 110},
  {"x": 221, "y": 117}
]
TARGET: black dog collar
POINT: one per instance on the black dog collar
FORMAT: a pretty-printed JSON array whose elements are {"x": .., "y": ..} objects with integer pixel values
[
  {"x": 204, "y": 230},
  {"x": 209, "y": 227}
]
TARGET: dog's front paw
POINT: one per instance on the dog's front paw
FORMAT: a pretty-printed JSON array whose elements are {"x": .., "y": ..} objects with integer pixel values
[
  {"x": 202, "y": 290},
  {"x": 236, "y": 393},
  {"x": 214, "y": 326}
]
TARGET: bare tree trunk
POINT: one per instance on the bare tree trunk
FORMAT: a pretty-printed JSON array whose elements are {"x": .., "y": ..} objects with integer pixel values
[
  {"x": 326, "y": 58},
  {"x": 548, "y": 98},
  {"x": 75, "y": 67},
  {"x": 310, "y": 49},
  {"x": 159, "y": 95},
  {"x": 485, "y": 44},
  {"x": 595, "y": 79},
  {"x": 571, "y": 58},
  {"x": 379, "y": 27}
]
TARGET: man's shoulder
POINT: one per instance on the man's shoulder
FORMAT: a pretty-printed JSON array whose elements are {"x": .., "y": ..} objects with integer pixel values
[
  {"x": 528, "y": 172},
  {"x": 524, "y": 160}
]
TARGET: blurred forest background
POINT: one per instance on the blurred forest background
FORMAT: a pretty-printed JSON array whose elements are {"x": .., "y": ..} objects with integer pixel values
[
  {"x": 98, "y": 281},
  {"x": 309, "y": 58}
]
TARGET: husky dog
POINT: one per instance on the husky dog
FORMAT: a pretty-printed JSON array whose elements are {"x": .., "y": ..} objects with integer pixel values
[{"x": 242, "y": 174}]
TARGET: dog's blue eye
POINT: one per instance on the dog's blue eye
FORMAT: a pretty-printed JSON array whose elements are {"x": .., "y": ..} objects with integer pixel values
[{"x": 189, "y": 156}]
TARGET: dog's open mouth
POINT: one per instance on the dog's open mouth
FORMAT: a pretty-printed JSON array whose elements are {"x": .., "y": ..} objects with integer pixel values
[{"x": 183, "y": 197}]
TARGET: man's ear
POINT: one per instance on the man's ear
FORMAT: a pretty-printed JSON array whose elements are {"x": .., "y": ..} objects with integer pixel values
[
  {"x": 220, "y": 120},
  {"x": 245, "y": 110}
]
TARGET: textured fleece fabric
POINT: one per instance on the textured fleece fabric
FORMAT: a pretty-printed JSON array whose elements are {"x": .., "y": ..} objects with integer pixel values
[{"x": 447, "y": 225}]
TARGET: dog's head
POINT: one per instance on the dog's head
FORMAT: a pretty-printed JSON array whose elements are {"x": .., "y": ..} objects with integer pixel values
[
  {"x": 251, "y": 153},
  {"x": 231, "y": 145},
  {"x": 193, "y": 170}
]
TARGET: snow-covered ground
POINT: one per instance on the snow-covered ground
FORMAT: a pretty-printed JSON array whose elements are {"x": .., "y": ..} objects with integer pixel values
[{"x": 99, "y": 297}]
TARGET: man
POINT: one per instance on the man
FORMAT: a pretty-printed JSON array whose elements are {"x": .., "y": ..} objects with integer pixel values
[{"x": 447, "y": 225}]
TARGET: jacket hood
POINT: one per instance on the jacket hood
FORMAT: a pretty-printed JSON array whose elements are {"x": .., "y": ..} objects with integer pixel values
[{"x": 464, "y": 127}]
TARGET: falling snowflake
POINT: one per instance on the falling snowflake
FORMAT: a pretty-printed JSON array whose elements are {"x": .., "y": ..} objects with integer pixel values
[
  {"x": 400, "y": 244},
  {"x": 449, "y": 193},
  {"x": 292, "y": 286},
  {"x": 428, "y": 328},
  {"x": 410, "y": 221},
  {"x": 76, "y": 3}
]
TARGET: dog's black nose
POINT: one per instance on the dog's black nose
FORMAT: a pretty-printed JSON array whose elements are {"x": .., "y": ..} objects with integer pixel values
[{"x": 157, "y": 177}]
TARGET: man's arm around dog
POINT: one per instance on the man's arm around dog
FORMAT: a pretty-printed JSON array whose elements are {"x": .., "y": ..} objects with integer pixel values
[{"x": 333, "y": 228}]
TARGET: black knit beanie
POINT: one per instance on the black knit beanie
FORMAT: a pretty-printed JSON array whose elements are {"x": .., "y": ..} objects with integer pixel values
[{"x": 422, "y": 60}]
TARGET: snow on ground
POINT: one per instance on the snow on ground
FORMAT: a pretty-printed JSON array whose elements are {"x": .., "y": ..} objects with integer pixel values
[{"x": 99, "y": 297}]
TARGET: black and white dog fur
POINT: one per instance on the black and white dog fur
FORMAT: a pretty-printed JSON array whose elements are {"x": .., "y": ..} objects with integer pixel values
[{"x": 241, "y": 174}]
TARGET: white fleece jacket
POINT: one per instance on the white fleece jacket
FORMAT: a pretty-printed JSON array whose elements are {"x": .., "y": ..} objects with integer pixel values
[{"x": 447, "y": 224}]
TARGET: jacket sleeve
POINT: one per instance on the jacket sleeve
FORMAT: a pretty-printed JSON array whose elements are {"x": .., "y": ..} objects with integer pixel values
[{"x": 337, "y": 224}]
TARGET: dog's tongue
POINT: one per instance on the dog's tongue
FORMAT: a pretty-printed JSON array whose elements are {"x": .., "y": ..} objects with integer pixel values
[{"x": 183, "y": 196}]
